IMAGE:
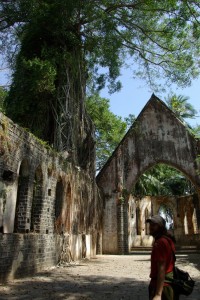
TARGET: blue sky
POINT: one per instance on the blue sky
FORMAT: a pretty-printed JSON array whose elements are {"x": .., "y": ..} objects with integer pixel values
[{"x": 135, "y": 94}]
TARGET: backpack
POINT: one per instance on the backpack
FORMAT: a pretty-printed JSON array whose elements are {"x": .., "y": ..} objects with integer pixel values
[{"x": 181, "y": 282}]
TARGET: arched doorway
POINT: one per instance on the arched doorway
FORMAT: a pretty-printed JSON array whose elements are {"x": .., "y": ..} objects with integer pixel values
[
  {"x": 166, "y": 212},
  {"x": 21, "y": 202},
  {"x": 37, "y": 201},
  {"x": 63, "y": 208},
  {"x": 59, "y": 195},
  {"x": 68, "y": 205},
  {"x": 163, "y": 190}
]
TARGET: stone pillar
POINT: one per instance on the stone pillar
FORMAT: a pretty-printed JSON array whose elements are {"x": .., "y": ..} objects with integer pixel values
[
  {"x": 99, "y": 243},
  {"x": 196, "y": 203},
  {"x": 110, "y": 227},
  {"x": 122, "y": 228}
]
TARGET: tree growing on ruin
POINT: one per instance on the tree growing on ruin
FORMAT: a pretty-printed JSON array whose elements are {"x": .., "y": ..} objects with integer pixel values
[{"x": 57, "y": 47}]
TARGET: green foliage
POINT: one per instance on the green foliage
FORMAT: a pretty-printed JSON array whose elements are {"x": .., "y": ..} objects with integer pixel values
[
  {"x": 31, "y": 95},
  {"x": 43, "y": 75},
  {"x": 130, "y": 120},
  {"x": 162, "y": 180},
  {"x": 162, "y": 37},
  {"x": 109, "y": 128},
  {"x": 3, "y": 94},
  {"x": 63, "y": 45},
  {"x": 195, "y": 130},
  {"x": 158, "y": 36},
  {"x": 43, "y": 65},
  {"x": 183, "y": 110},
  {"x": 181, "y": 107}
]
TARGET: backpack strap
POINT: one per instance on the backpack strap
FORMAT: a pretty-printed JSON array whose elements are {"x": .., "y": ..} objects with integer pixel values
[
  {"x": 169, "y": 277},
  {"x": 168, "y": 239}
]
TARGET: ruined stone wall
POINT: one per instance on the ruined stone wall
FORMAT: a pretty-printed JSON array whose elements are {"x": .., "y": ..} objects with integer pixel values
[
  {"x": 49, "y": 207},
  {"x": 110, "y": 228},
  {"x": 24, "y": 254},
  {"x": 138, "y": 211},
  {"x": 183, "y": 210},
  {"x": 157, "y": 136}
]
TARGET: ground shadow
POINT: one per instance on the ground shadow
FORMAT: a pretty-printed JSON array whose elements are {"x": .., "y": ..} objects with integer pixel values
[
  {"x": 186, "y": 259},
  {"x": 76, "y": 287}
]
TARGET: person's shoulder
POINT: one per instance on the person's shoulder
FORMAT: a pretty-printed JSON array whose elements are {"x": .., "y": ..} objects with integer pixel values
[
  {"x": 164, "y": 241},
  {"x": 167, "y": 241}
]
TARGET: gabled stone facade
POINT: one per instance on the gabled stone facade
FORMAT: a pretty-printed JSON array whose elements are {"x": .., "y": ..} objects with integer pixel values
[{"x": 157, "y": 136}]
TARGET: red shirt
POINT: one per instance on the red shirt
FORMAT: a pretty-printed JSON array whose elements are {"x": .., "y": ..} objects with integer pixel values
[{"x": 162, "y": 251}]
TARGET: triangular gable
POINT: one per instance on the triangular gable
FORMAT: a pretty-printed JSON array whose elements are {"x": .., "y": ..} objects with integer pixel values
[
  {"x": 154, "y": 102},
  {"x": 156, "y": 128}
]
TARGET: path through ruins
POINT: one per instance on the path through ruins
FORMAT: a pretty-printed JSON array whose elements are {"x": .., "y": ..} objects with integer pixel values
[{"x": 105, "y": 277}]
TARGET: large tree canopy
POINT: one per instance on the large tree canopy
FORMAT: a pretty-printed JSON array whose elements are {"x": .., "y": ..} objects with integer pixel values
[
  {"x": 65, "y": 44},
  {"x": 156, "y": 34}
]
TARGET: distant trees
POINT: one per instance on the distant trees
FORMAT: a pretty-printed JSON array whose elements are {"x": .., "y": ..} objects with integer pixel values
[
  {"x": 163, "y": 180},
  {"x": 109, "y": 128},
  {"x": 181, "y": 107}
]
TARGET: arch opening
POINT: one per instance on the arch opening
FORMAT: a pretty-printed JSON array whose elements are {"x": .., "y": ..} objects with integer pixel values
[
  {"x": 163, "y": 190},
  {"x": 163, "y": 179},
  {"x": 37, "y": 201},
  {"x": 68, "y": 208},
  {"x": 21, "y": 200},
  {"x": 59, "y": 194},
  {"x": 167, "y": 213}
]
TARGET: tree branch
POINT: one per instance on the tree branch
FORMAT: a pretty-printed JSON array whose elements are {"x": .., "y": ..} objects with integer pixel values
[{"x": 117, "y": 6}]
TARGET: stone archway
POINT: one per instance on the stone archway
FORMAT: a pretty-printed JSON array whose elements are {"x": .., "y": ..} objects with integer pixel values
[
  {"x": 21, "y": 202},
  {"x": 157, "y": 136},
  {"x": 37, "y": 201},
  {"x": 59, "y": 199}
]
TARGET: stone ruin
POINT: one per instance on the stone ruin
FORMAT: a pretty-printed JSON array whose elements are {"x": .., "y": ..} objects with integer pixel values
[
  {"x": 157, "y": 136},
  {"x": 52, "y": 211}
]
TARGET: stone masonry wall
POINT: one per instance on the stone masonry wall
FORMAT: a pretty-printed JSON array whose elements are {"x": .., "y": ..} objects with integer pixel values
[
  {"x": 50, "y": 208},
  {"x": 156, "y": 136},
  {"x": 183, "y": 209},
  {"x": 24, "y": 254}
]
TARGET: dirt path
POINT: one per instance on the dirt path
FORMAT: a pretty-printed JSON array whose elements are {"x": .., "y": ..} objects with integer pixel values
[{"x": 105, "y": 277}]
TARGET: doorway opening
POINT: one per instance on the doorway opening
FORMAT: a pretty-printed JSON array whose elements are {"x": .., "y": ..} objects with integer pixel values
[{"x": 166, "y": 191}]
